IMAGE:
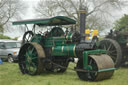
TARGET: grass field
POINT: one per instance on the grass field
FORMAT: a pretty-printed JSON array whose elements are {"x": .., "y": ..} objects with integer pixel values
[{"x": 10, "y": 75}]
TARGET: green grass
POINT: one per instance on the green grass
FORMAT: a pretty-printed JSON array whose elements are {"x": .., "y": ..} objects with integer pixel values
[{"x": 11, "y": 75}]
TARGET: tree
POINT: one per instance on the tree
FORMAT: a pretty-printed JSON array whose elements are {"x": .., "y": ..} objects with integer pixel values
[
  {"x": 10, "y": 9},
  {"x": 97, "y": 10},
  {"x": 121, "y": 24}
]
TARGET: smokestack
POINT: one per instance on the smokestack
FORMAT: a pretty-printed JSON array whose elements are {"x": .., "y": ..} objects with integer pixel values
[{"x": 82, "y": 20}]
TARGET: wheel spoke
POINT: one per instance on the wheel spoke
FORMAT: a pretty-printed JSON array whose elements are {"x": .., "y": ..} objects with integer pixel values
[
  {"x": 113, "y": 48},
  {"x": 113, "y": 57},
  {"x": 26, "y": 40},
  {"x": 32, "y": 50},
  {"x": 90, "y": 62},
  {"x": 27, "y": 64},
  {"x": 114, "y": 54},
  {"x": 34, "y": 67},
  {"x": 28, "y": 36},
  {"x": 34, "y": 58},
  {"x": 27, "y": 54},
  {"x": 109, "y": 47},
  {"x": 31, "y": 67},
  {"x": 112, "y": 51},
  {"x": 104, "y": 47}
]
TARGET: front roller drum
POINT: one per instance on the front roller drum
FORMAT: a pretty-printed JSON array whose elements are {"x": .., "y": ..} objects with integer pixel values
[
  {"x": 102, "y": 67},
  {"x": 30, "y": 59}
]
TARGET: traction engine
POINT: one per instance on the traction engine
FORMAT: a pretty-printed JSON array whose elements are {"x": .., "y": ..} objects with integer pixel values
[{"x": 52, "y": 50}]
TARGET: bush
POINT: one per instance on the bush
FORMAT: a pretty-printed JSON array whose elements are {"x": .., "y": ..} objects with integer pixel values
[
  {"x": 4, "y": 37},
  {"x": 16, "y": 38}
]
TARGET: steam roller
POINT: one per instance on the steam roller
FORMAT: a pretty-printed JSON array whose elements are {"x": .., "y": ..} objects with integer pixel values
[
  {"x": 93, "y": 65},
  {"x": 52, "y": 50}
]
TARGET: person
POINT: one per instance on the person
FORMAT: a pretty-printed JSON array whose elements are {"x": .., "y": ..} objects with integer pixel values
[
  {"x": 95, "y": 35},
  {"x": 95, "y": 32},
  {"x": 87, "y": 33},
  {"x": 1, "y": 61}
]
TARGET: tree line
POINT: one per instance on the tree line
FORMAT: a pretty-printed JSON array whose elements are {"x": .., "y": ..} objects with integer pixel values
[{"x": 98, "y": 12}]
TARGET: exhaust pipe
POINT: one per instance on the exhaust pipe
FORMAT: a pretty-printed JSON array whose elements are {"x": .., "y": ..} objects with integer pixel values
[
  {"x": 82, "y": 23},
  {"x": 82, "y": 20}
]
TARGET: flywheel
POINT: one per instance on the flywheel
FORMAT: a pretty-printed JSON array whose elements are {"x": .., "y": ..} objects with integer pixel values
[{"x": 27, "y": 37}]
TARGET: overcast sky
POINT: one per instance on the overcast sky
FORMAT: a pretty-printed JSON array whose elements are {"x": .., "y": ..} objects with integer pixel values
[
  {"x": 31, "y": 3},
  {"x": 30, "y": 15}
]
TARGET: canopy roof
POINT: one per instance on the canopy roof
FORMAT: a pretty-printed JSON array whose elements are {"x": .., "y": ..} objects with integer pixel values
[{"x": 58, "y": 20}]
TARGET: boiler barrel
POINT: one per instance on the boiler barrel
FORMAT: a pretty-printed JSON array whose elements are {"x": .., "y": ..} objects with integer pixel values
[{"x": 67, "y": 50}]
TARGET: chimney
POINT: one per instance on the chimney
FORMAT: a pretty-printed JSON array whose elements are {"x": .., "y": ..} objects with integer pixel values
[{"x": 82, "y": 20}]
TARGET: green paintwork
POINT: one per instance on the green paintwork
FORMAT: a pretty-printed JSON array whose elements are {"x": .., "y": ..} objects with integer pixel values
[
  {"x": 31, "y": 60},
  {"x": 58, "y": 20},
  {"x": 61, "y": 48},
  {"x": 91, "y": 52},
  {"x": 69, "y": 36},
  {"x": 65, "y": 50},
  {"x": 93, "y": 67},
  {"x": 53, "y": 41},
  {"x": 37, "y": 38},
  {"x": 109, "y": 69},
  {"x": 58, "y": 45}
]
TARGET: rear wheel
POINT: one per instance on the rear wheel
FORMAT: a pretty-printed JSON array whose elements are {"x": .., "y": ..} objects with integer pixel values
[
  {"x": 30, "y": 59},
  {"x": 113, "y": 50}
]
